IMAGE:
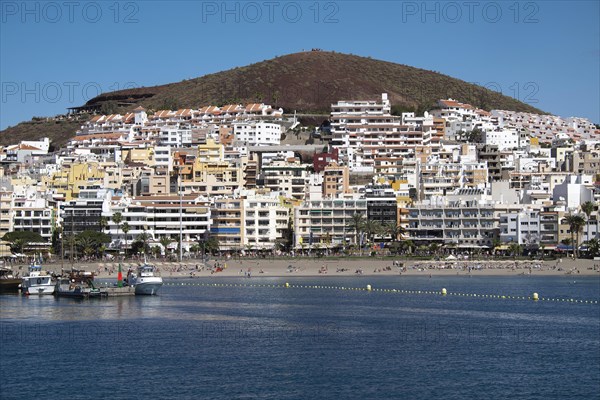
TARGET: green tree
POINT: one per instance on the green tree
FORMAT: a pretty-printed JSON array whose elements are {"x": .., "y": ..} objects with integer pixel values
[
  {"x": 117, "y": 218},
  {"x": 141, "y": 243},
  {"x": 408, "y": 246},
  {"x": 593, "y": 248},
  {"x": 86, "y": 245},
  {"x": 372, "y": 228},
  {"x": 395, "y": 230},
  {"x": 357, "y": 225},
  {"x": 125, "y": 228},
  {"x": 56, "y": 240},
  {"x": 18, "y": 245},
  {"x": 434, "y": 248},
  {"x": 576, "y": 223},
  {"x": 19, "y": 240},
  {"x": 212, "y": 245},
  {"x": 71, "y": 242},
  {"x": 103, "y": 223},
  {"x": 588, "y": 209},
  {"x": 165, "y": 241},
  {"x": 27, "y": 236},
  {"x": 515, "y": 249},
  {"x": 91, "y": 242}
]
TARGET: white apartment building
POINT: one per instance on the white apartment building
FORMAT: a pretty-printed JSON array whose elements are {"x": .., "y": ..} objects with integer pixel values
[
  {"x": 365, "y": 132},
  {"x": 465, "y": 220},
  {"x": 461, "y": 117},
  {"x": 228, "y": 222},
  {"x": 6, "y": 215},
  {"x": 521, "y": 227},
  {"x": 505, "y": 139},
  {"x": 289, "y": 179},
  {"x": 443, "y": 178},
  {"x": 160, "y": 217},
  {"x": 174, "y": 136},
  {"x": 33, "y": 214},
  {"x": 266, "y": 222},
  {"x": 326, "y": 223},
  {"x": 257, "y": 133}
]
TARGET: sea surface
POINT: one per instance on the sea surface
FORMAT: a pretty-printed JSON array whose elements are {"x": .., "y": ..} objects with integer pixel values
[{"x": 195, "y": 341}]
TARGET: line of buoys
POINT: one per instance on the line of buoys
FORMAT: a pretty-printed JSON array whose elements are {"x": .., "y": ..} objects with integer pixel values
[{"x": 369, "y": 288}]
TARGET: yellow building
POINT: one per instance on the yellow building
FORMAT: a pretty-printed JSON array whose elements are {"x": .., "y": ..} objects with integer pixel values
[
  {"x": 76, "y": 176},
  {"x": 139, "y": 156},
  {"x": 211, "y": 151}
]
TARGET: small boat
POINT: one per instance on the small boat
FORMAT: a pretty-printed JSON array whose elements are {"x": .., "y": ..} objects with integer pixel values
[
  {"x": 9, "y": 283},
  {"x": 146, "y": 281},
  {"x": 37, "y": 281},
  {"x": 78, "y": 284}
]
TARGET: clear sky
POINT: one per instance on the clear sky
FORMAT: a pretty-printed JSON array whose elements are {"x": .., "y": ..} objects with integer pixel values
[{"x": 59, "y": 54}]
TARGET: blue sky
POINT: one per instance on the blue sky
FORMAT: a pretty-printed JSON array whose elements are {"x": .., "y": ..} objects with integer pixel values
[{"x": 55, "y": 55}]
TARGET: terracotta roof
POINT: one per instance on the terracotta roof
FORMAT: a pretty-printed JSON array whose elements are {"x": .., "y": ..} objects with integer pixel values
[
  {"x": 254, "y": 107},
  {"x": 230, "y": 108},
  {"x": 28, "y": 147}
]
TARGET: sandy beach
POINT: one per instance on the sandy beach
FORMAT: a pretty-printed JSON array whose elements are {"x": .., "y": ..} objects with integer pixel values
[{"x": 322, "y": 267}]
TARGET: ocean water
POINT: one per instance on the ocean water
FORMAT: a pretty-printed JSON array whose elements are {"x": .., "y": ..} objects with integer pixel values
[{"x": 215, "y": 342}]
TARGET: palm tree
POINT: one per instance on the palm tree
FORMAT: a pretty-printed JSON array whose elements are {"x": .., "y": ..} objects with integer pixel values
[
  {"x": 86, "y": 245},
  {"x": 434, "y": 248},
  {"x": 372, "y": 228},
  {"x": 408, "y": 245},
  {"x": 103, "y": 223},
  {"x": 588, "y": 209},
  {"x": 515, "y": 249},
  {"x": 394, "y": 230},
  {"x": 165, "y": 241},
  {"x": 357, "y": 224},
  {"x": 144, "y": 238},
  {"x": 71, "y": 241},
  {"x": 125, "y": 228},
  {"x": 212, "y": 245},
  {"x": 18, "y": 245},
  {"x": 593, "y": 248},
  {"x": 117, "y": 218},
  {"x": 576, "y": 223}
]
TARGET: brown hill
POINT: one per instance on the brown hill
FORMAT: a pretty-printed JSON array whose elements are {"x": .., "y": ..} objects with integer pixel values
[
  {"x": 306, "y": 82},
  {"x": 310, "y": 82}
]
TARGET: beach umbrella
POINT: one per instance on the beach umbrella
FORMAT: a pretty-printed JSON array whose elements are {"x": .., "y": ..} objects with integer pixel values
[{"x": 120, "y": 277}]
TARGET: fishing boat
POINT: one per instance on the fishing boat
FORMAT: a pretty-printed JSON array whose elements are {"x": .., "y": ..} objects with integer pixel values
[
  {"x": 78, "y": 284},
  {"x": 37, "y": 281},
  {"x": 146, "y": 280},
  {"x": 9, "y": 283}
]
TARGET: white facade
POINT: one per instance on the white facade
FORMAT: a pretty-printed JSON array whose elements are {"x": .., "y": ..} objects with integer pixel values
[
  {"x": 505, "y": 139},
  {"x": 521, "y": 227},
  {"x": 266, "y": 221},
  {"x": 175, "y": 137},
  {"x": 159, "y": 217},
  {"x": 34, "y": 215},
  {"x": 257, "y": 133}
]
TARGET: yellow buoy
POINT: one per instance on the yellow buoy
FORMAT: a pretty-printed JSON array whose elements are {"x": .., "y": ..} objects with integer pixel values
[
  {"x": 369, "y": 288},
  {"x": 444, "y": 291},
  {"x": 287, "y": 285},
  {"x": 535, "y": 297}
]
